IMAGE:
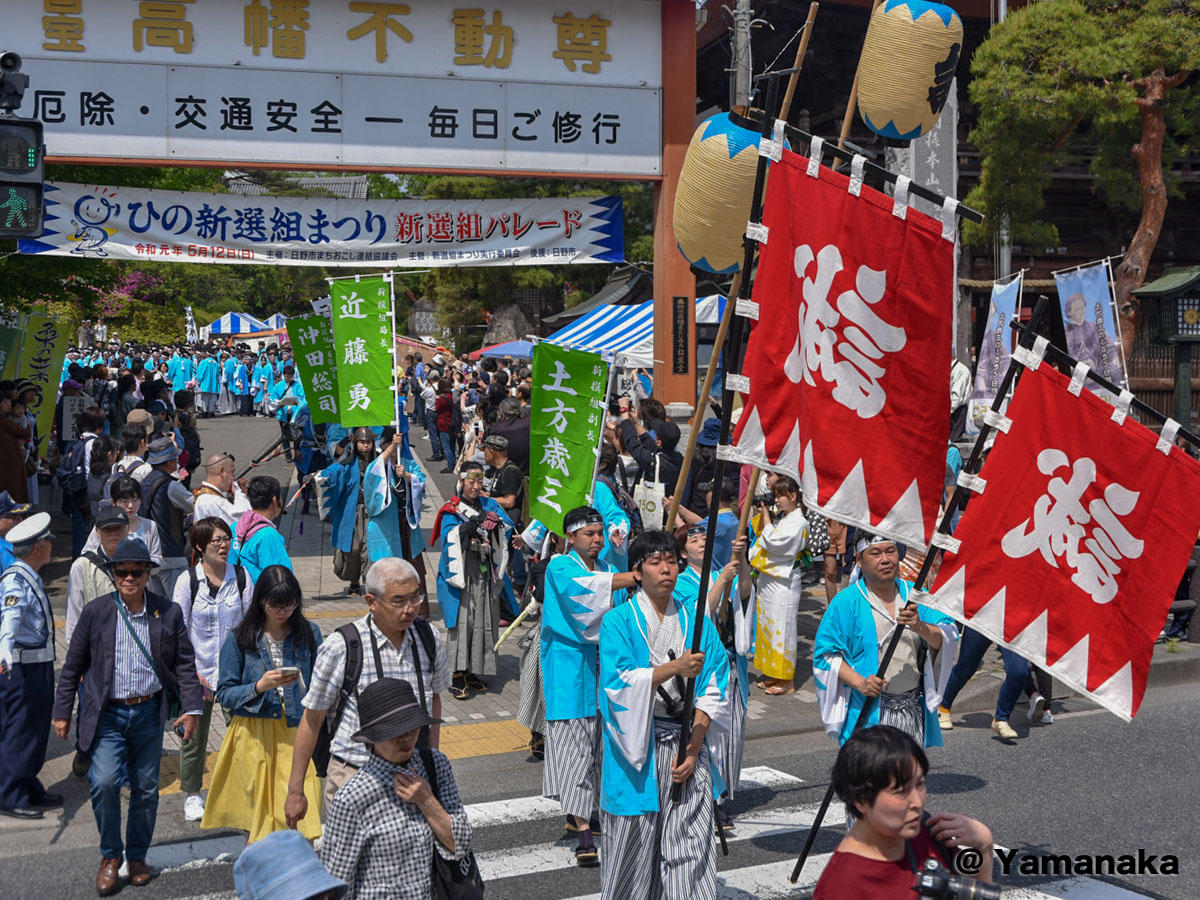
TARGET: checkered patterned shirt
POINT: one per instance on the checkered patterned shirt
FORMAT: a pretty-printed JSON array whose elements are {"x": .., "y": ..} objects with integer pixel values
[
  {"x": 382, "y": 846},
  {"x": 330, "y": 667}
]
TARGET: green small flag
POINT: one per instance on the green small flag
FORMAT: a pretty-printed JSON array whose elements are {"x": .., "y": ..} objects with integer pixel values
[
  {"x": 312, "y": 346},
  {"x": 362, "y": 335},
  {"x": 565, "y": 424}
]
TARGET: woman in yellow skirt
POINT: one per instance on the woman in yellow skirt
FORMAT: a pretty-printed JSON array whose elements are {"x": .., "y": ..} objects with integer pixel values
[
  {"x": 773, "y": 556},
  {"x": 250, "y": 780}
]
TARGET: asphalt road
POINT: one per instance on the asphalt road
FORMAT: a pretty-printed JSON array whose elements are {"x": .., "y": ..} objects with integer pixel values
[{"x": 1088, "y": 784}]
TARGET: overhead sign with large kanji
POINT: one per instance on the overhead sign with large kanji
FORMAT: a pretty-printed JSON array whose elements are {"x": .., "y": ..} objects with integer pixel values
[
  {"x": 99, "y": 222},
  {"x": 1072, "y": 552},
  {"x": 522, "y": 85}
]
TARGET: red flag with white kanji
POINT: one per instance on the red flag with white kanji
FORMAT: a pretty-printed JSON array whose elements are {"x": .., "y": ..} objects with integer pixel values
[
  {"x": 1072, "y": 553},
  {"x": 849, "y": 362}
]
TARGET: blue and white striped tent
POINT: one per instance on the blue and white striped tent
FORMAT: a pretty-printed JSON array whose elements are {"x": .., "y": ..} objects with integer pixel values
[
  {"x": 234, "y": 323},
  {"x": 627, "y": 331},
  {"x": 279, "y": 320}
]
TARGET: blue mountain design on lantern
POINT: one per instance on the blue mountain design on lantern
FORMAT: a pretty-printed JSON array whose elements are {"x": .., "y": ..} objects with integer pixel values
[
  {"x": 890, "y": 130},
  {"x": 737, "y": 138},
  {"x": 920, "y": 7}
]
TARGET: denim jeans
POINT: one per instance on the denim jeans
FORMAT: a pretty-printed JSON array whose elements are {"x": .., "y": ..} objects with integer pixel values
[
  {"x": 447, "y": 450},
  {"x": 970, "y": 654},
  {"x": 432, "y": 429},
  {"x": 126, "y": 736}
]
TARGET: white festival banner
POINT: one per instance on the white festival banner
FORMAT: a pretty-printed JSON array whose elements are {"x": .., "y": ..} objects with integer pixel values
[{"x": 98, "y": 222}]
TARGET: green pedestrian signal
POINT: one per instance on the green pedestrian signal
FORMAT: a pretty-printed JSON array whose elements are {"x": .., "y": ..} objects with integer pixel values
[{"x": 21, "y": 178}]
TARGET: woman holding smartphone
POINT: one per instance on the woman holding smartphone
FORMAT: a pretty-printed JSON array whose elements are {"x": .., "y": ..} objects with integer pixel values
[{"x": 266, "y": 664}]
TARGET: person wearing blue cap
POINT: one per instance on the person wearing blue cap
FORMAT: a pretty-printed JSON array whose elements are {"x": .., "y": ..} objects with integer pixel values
[
  {"x": 11, "y": 513},
  {"x": 26, "y": 673},
  {"x": 284, "y": 866}
]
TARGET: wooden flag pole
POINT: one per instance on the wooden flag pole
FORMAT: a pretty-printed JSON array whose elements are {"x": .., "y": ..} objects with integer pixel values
[
  {"x": 852, "y": 101},
  {"x": 734, "y": 290},
  {"x": 732, "y": 362},
  {"x": 956, "y": 501}
]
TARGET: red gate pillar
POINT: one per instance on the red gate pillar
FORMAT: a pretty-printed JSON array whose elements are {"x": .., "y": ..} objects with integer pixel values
[{"x": 674, "y": 284}]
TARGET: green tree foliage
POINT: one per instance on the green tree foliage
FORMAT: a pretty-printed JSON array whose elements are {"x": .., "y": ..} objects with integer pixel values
[
  {"x": 464, "y": 295},
  {"x": 1102, "y": 82}
]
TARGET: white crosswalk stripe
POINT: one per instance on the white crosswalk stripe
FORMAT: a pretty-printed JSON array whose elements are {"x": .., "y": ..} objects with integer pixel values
[{"x": 755, "y": 830}]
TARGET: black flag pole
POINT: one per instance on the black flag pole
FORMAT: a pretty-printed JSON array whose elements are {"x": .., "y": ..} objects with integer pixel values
[
  {"x": 732, "y": 364},
  {"x": 956, "y": 502}
]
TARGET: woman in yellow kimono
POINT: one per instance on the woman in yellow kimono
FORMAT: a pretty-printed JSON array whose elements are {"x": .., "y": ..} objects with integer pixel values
[{"x": 773, "y": 558}]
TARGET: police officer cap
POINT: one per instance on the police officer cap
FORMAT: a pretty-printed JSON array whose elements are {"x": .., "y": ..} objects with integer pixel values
[
  {"x": 30, "y": 531},
  {"x": 10, "y": 507}
]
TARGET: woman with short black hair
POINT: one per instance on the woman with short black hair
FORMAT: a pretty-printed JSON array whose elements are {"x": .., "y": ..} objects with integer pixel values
[{"x": 880, "y": 776}]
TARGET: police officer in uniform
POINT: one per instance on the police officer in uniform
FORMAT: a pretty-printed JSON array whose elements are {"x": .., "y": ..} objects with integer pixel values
[
  {"x": 26, "y": 673},
  {"x": 11, "y": 513}
]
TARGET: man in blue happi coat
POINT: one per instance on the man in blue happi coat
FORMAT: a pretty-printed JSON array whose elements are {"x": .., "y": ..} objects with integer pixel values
[
  {"x": 208, "y": 380},
  {"x": 579, "y": 589},
  {"x": 853, "y": 636}
]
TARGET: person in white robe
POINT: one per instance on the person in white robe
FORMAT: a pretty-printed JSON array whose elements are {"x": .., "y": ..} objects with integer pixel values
[{"x": 784, "y": 535}]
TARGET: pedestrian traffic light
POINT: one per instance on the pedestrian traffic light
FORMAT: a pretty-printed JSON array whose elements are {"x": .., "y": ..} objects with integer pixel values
[{"x": 21, "y": 177}]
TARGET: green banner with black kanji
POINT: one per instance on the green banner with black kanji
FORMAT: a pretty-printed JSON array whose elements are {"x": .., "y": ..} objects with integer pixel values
[
  {"x": 316, "y": 365},
  {"x": 565, "y": 423},
  {"x": 364, "y": 351}
]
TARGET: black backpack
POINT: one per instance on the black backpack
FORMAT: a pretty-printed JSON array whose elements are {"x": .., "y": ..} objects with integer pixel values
[
  {"x": 71, "y": 474},
  {"x": 240, "y": 571},
  {"x": 349, "y": 688}
]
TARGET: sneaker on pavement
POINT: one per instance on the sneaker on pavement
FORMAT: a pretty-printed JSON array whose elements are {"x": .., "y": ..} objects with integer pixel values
[
  {"x": 193, "y": 808},
  {"x": 1003, "y": 730},
  {"x": 1037, "y": 707},
  {"x": 944, "y": 719},
  {"x": 1046, "y": 717}
]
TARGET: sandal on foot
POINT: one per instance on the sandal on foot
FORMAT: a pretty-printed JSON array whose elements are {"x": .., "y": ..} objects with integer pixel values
[
  {"x": 594, "y": 826},
  {"x": 586, "y": 854},
  {"x": 537, "y": 748},
  {"x": 475, "y": 683},
  {"x": 778, "y": 690},
  {"x": 458, "y": 686}
]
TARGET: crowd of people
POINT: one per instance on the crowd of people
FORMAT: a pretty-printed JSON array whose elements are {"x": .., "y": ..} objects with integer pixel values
[{"x": 182, "y": 601}]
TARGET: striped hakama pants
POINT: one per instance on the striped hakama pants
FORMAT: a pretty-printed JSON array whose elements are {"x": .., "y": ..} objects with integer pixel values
[
  {"x": 728, "y": 746},
  {"x": 572, "y": 771},
  {"x": 669, "y": 854},
  {"x": 531, "y": 706}
]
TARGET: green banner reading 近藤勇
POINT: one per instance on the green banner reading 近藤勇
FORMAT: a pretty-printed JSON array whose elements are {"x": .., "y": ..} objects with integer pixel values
[
  {"x": 43, "y": 350},
  {"x": 565, "y": 423},
  {"x": 316, "y": 363},
  {"x": 362, "y": 336}
]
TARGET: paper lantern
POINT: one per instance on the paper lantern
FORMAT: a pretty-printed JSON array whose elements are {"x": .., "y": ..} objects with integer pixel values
[
  {"x": 907, "y": 66},
  {"x": 712, "y": 202}
]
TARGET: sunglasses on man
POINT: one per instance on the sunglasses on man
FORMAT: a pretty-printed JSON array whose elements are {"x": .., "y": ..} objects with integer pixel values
[{"x": 137, "y": 572}]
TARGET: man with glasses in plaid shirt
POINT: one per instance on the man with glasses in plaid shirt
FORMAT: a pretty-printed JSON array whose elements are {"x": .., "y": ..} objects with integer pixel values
[{"x": 391, "y": 641}]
